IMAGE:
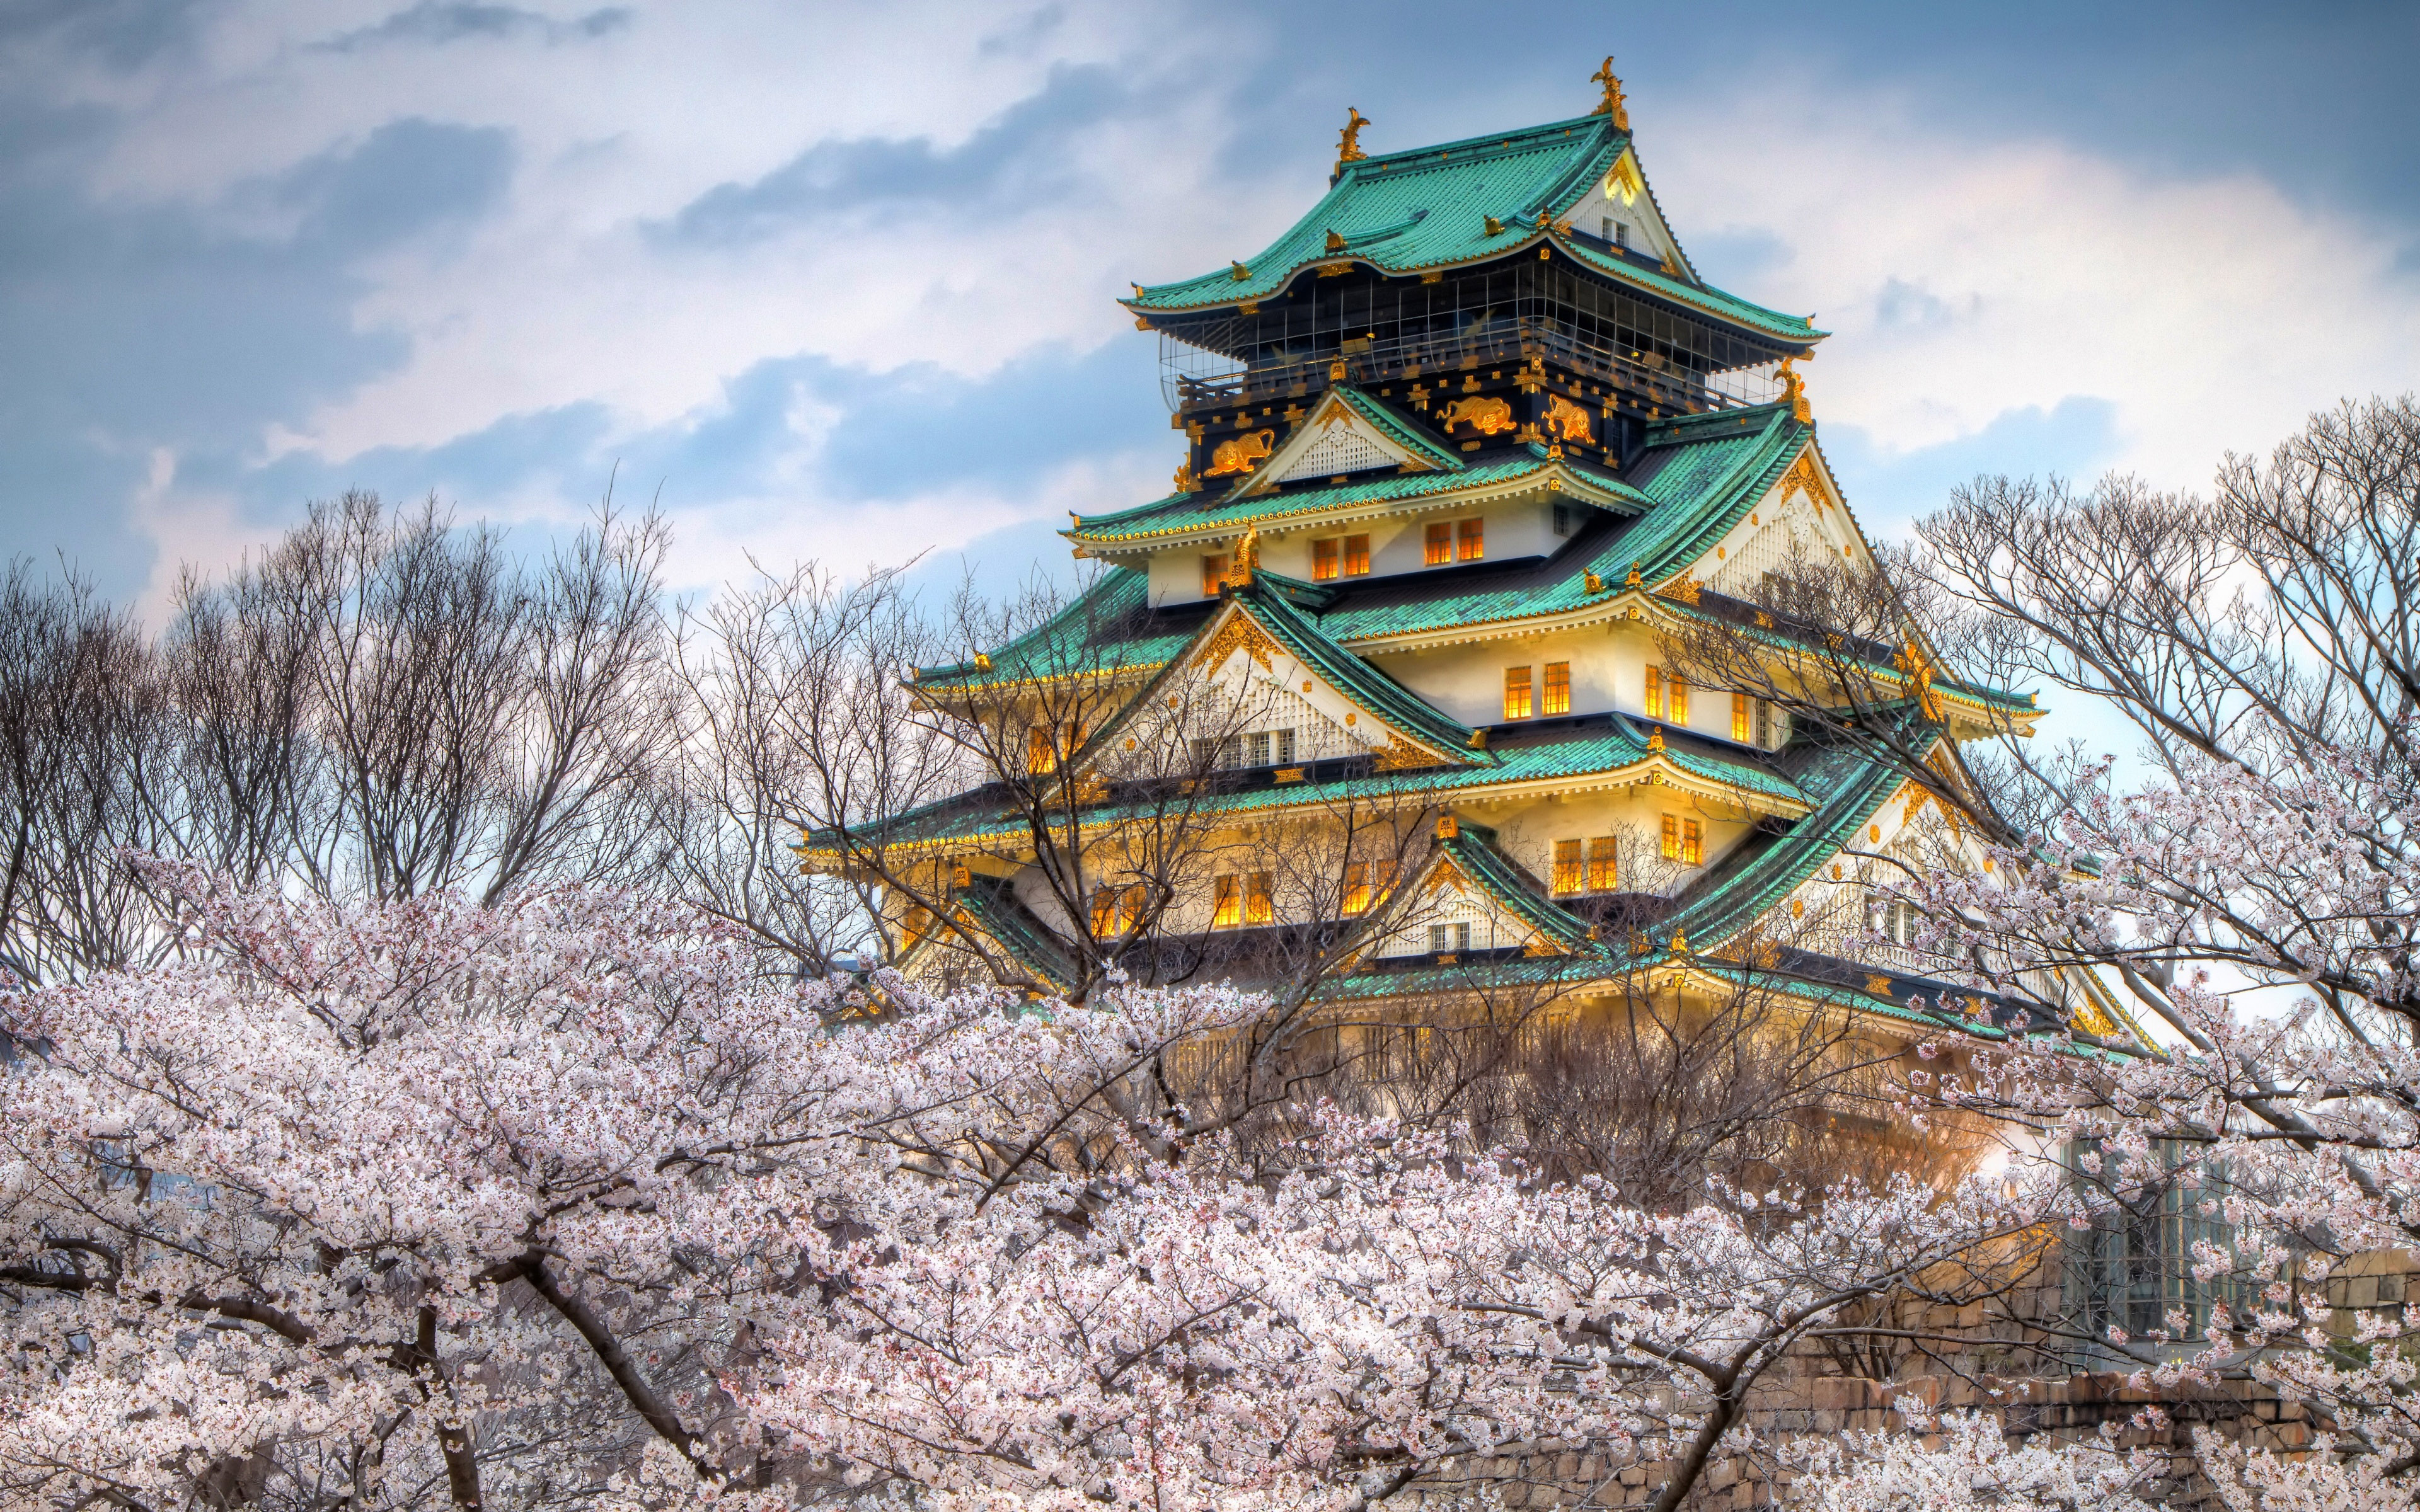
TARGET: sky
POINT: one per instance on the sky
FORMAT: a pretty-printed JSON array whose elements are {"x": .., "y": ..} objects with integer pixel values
[{"x": 839, "y": 282}]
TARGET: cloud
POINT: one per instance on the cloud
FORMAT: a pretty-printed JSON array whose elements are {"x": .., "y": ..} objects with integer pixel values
[
  {"x": 432, "y": 23},
  {"x": 1019, "y": 161},
  {"x": 1966, "y": 281},
  {"x": 841, "y": 280}
]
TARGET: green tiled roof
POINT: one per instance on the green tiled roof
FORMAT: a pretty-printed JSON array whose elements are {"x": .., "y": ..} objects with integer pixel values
[
  {"x": 1182, "y": 514},
  {"x": 1848, "y": 788},
  {"x": 1109, "y": 628},
  {"x": 1267, "y": 598},
  {"x": 1579, "y": 748},
  {"x": 991, "y": 910},
  {"x": 1701, "y": 476},
  {"x": 1705, "y": 472},
  {"x": 1474, "y": 849},
  {"x": 1406, "y": 212}
]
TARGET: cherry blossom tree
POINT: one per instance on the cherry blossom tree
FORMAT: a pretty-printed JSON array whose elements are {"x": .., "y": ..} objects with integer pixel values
[
  {"x": 562, "y": 1201},
  {"x": 2245, "y": 883}
]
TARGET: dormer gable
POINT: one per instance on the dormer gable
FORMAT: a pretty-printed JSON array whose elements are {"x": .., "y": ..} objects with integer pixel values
[
  {"x": 1348, "y": 432},
  {"x": 1618, "y": 209},
  {"x": 1257, "y": 667},
  {"x": 1802, "y": 517}
]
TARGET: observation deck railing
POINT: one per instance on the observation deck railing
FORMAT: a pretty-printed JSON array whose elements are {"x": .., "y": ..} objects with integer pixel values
[{"x": 1650, "y": 379}]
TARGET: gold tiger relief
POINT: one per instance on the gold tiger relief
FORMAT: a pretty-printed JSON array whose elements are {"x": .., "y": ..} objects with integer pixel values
[
  {"x": 1568, "y": 421},
  {"x": 1238, "y": 456},
  {"x": 1486, "y": 415}
]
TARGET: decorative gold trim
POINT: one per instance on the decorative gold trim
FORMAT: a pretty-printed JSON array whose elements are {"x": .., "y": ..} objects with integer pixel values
[
  {"x": 1240, "y": 633},
  {"x": 1401, "y": 755},
  {"x": 1247, "y": 560},
  {"x": 1794, "y": 388}
]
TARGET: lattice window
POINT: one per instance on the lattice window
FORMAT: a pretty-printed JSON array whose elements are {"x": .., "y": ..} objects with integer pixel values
[{"x": 1340, "y": 449}]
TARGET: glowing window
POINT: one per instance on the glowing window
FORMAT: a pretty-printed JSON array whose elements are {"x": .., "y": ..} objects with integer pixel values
[
  {"x": 1260, "y": 900},
  {"x": 1558, "y": 687},
  {"x": 1226, "y": 902},
  {"x": 1323, "y": 560},
  {"x": 1604, "y": 874},
  {"x": 1742, "y": 717},
  {"x": 1470, "y": 540},
  {"x": 1213, "y": 568},
  {"x": 1569, "y": 870},
  {"x": 1516, "y": 692},
  {"x": 1356, "y": 556},
  {"x": 1440, "y": 545}
]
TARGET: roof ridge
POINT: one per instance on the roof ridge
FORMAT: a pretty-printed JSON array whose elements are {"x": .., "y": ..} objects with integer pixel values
[
  {"x": 1486, "y": 141},
  {"x": 1380, "y": 694},
  {"x": 1474, "y": 848}
]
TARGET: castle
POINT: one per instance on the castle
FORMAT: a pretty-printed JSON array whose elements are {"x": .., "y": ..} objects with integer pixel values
[{"x": 1387, "y": 678}]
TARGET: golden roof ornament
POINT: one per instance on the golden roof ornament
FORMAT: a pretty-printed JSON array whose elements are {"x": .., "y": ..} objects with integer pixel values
[
  {"x": 1612, "y": 104},
  {"x": 1184, "y": 479},
  {"x": 1656, "y": 739},
  {"x": 1248, "y": 558},
  {"x": 1794, "y": 388},
  {"x": 1348, "y": 142}
]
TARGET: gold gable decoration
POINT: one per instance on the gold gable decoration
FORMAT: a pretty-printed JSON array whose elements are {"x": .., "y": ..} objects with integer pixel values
[
  {"x": 1804, "y": 477},
  {"x": 2093, "y": 1022},
  {"x": 1401, "y": 755},
  {"x": 1240, "y": 633}
]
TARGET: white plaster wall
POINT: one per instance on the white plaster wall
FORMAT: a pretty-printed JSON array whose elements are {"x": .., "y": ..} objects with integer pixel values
[
  {"x": 1608, "y": 671},
  {"x": 1398, "y": 544},
  {"x": 1528, "y": 830}
]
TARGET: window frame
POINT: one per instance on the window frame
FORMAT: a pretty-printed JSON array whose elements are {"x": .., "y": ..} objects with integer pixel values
[
  {"x": 1603, "y": 863},
  {"x": 1226, "y": 901},
  {"x": 1569, "y": 875},
  {"x": 1519, "y": 691},
  {"x": 1556, "y": 697}
]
